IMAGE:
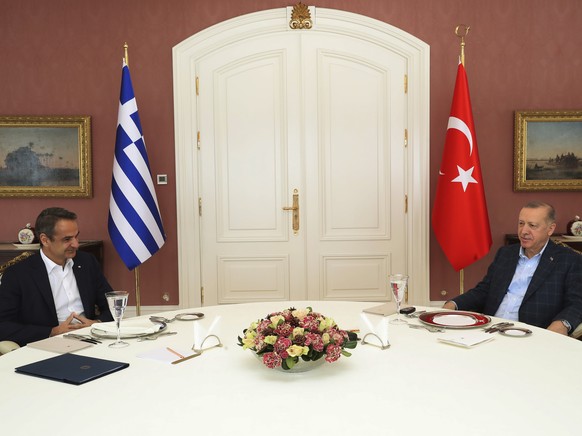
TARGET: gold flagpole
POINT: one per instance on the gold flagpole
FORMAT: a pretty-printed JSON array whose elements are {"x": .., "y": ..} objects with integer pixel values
[
  {"x": 461, "y": 31},
  {"x": 125, "y": 55},
  {"x": 136, "y": 269},
  {"x": 137, "y": 294}
]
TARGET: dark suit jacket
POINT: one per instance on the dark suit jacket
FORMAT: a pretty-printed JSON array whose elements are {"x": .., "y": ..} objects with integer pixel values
[
  {"x": 27, "y": 308},
  {"x": 554, "y": 293}
]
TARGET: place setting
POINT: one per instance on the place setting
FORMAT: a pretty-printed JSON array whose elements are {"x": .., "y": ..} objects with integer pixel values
[
  {"x": 134, "y": 329},
  {"x": 461, "y": 328},
  {"x": 205, "y": 337},
  {"x": 117, "y": 301}
]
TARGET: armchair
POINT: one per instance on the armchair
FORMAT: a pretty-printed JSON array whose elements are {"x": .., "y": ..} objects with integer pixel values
[{"x": 8, "y": 346}]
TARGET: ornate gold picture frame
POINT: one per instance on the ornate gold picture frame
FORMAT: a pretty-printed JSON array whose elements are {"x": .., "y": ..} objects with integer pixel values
[
  {"x": 547, "y": 151},
  {"x": 45, "y": 156}
]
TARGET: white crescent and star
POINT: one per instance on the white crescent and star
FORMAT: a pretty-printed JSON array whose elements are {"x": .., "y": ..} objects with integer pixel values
[
  {"x": 465, "y": 176},
  {"x": 461, "y": 126}
]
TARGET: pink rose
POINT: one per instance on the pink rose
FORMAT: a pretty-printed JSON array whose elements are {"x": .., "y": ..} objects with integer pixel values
[
  {"x": 315, "y": 341},
  {"x": 310, "y": 323},
  {"x": 281, "y": 346},
  {"x": 272, "y": 360},
  {"x": 263, "y": 327},
  {"x": 333, "y": 353},
  {"x": 284, "y": 330},
  {"x": 337, "y": 337}
]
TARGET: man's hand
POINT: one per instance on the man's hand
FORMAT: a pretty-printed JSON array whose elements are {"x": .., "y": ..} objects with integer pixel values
[
  {"x": 558, "y": 327},
  {"x": 73, "y": 322},
  {"x": 450, "y": 305}
]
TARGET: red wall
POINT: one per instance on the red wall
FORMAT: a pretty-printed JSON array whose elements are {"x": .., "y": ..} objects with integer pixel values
[{"x": 63, "y": 57}]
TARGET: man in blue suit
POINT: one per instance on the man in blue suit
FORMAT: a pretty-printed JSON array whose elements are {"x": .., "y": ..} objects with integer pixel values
[
  {"x": 537, "y": 281},
  {"x": 56, "y": 291}
]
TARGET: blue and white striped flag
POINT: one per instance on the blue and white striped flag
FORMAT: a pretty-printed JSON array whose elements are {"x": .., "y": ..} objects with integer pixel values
[{"x": 135, "y": 225}]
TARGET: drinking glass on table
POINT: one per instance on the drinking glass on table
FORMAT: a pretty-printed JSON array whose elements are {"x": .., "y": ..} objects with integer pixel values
[
  {"x": 398, "y": 284},
  {"x": 117, "y": 301}
]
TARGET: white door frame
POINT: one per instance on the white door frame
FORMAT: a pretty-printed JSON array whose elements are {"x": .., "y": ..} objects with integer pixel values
[{"x": 185, "y": 56}]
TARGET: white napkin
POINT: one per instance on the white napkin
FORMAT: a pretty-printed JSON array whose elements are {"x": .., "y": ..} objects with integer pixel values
[
  {"x": 466, "y": 339},
  {"x": 204, "y": 328},
  {"x": 376, "y": 324}
]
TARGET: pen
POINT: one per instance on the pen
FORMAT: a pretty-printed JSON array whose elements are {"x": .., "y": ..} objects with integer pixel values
[
  {"x": 174, "y": 352},
  {"x": 186, "y": 358}
]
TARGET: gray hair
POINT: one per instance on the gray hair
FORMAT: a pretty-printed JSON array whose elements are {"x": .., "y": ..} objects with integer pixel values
[{"x": 551, "y": 216}]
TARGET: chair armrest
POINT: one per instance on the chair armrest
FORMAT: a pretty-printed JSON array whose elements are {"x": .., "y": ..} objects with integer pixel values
[{"x": 7, "y": 347}]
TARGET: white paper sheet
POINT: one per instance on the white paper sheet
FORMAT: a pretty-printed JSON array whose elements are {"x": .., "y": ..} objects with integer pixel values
[{"x": 466, "y": 339}]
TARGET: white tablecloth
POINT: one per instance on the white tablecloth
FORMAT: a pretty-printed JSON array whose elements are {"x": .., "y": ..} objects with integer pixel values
[{"x": 508, "y": 386}]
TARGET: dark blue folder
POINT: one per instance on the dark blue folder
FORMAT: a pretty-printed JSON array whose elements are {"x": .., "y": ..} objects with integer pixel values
[{"x": 72, "y": 368}]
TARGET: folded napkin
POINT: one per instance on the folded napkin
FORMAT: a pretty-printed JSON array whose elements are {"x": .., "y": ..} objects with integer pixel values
[
  {"x": 376, "y": 324},
  {"x": 203, "y": 328},
  {"x": 466, "y": 339},
  {"x": 111, "y": 328}
]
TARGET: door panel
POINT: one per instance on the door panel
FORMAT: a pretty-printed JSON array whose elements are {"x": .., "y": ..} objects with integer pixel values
[
  {"x": 356, "y": 158},
  {"x": 249, "y": 148},
  {"x": 320, "y": 114},
  {"x": 248, "y": 106}
]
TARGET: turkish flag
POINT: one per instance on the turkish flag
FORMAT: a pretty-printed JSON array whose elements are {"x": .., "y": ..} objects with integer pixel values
[{"x": 459, "y": 217}]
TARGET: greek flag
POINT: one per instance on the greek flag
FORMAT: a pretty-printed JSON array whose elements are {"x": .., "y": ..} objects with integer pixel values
[{"x": 135, "y": 225}]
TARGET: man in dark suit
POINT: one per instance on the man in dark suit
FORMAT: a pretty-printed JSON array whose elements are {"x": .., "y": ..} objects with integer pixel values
[
  {"x": 537, "y": 281},
  {"x": 55, "y": 291}
]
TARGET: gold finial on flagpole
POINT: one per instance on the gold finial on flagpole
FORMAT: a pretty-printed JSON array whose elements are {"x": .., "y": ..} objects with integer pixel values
[
  {"x": 461, "y": 31},
  {"x": 125, "y": 55}
]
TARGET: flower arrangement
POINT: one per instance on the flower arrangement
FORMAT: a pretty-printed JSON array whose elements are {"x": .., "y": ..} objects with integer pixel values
[{"x": 282, "y": 338}]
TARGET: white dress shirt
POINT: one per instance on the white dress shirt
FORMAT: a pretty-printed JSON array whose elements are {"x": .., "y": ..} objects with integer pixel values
[
  {"x": 64, "y": 288},
  {"x": 526, "y": 267}
]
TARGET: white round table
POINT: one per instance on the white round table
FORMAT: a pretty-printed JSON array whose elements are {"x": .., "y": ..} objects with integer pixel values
[{"x": 507, "y": 386}]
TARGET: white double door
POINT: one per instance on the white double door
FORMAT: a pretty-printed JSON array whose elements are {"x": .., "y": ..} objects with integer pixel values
[{"x": 315, "y": 115}]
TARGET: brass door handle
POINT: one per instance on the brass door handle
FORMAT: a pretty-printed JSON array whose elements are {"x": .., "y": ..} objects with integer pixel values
[{"x": 295, "y": 209}]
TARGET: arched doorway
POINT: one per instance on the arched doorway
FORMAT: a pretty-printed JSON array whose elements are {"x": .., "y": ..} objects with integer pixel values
[{"x": 333, "y": 119}]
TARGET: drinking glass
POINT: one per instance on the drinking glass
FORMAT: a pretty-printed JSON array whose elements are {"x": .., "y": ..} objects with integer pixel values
[
  {"x": 117, "y": 303},
  {"x": 398, "y": 284}
]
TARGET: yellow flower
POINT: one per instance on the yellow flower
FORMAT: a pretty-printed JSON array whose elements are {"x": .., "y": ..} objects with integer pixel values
[
  {"x": 249, "y": 340},
  {"x": 297, "y": 350},
  {"x": 270, "y": 339},
  {"x": 300, "y": 313},
  {"x": 325, "y": 338},
  {"x": 325, "y": 324},
  {"x": 276, "y": 320},
  {"x": 298, "y": 331}
]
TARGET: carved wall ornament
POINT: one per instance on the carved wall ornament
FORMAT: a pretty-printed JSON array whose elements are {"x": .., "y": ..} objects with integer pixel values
[{"x": 300, "y": 17}]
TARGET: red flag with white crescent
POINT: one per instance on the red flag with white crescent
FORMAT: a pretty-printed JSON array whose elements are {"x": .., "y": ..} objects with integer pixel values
[{"x": 459, "y": 217}]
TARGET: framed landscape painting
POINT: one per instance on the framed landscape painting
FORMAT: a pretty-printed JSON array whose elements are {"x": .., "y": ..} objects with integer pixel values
[
  {"x": 547, "y": 151},
  {"x": 45, "y": 156}
]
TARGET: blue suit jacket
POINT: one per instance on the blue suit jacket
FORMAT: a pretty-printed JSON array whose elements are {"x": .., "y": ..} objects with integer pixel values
[
  {"x": 27, "y": 308},
  {"x": 554, "y": 293}
]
